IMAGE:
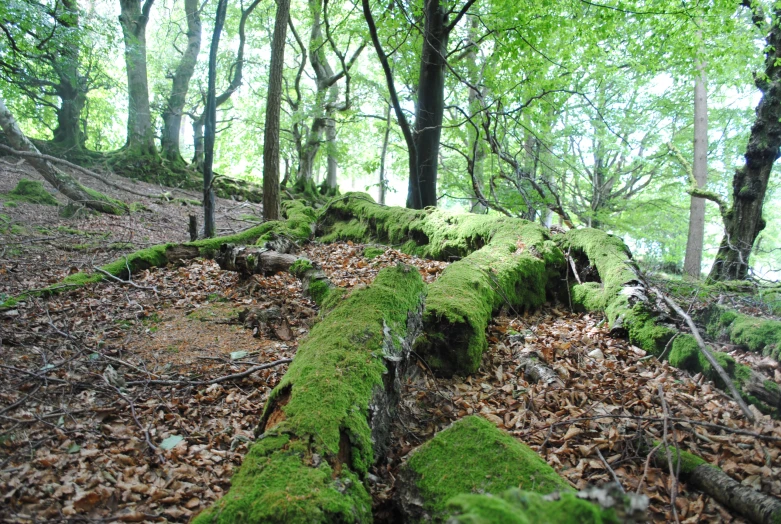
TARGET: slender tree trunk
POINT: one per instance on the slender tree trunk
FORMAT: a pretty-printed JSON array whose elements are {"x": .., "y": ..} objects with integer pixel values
[
  {"x": 383, "y": 155},
  {"x": 692, "y": 264},
  {"x": 330, "y": 141},
  {"x": 211, "y": 124},
  {"x": 172, "y": 114},
  {"x": 273, "y": 107},
  {"x": 744, "y": 220},
  {"x": 422, "y": 190}
]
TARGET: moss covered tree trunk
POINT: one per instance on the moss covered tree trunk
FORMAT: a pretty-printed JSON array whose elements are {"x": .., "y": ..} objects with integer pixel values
[
  {"x": 61, "y": 181},
  {"x": 744, "y": 220},
  {"x": 328, "y": 419}
]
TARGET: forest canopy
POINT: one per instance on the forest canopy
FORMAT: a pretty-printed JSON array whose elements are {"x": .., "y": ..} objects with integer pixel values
[{"x": 572, "y": 113}]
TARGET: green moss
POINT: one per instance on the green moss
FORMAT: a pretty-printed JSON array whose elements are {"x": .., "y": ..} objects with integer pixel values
[
  {"x": 474, "y": 456},
  {"x": 300, "y": 267},
  {"x": 755, "y": 334},
  {"x": 373, "y": 252},
  {"x": 687, "y": 462},
  {"x": 113, "y": 206},
  {"x": 502, "y": 261},
  {"x": 31, "y": 191},
  {"x": 319, "y": 290},
  {"x": 328, "y": 387},
  {"x": 277, "y": 484},
  {"x": 298, "y": 224},
  {"x": 524, "y": 507}
]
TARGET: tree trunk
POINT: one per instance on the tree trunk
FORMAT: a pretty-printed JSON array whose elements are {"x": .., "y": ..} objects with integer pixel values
[
  {"x": 211, "y": 125},
  {"x": 140, "y": 134},
  {"x": 172, "y": 114},
  {"x": 744, "y": 221},
  {"x": 71, "y": 88},
  {"x": 61, "y": 181},
  {"x": 383, "y": 155},
  {"x": 273, "y": 107},
  {"x": 422, "y": 191},
  {"x": 330, "y": 141},
  {"x": 692, "y": 264}
]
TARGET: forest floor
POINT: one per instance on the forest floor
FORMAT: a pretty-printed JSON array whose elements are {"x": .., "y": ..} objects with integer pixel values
[{"x": 136, "y": 402}]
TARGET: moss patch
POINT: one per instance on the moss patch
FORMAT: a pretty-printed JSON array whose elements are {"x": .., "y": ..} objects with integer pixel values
[
  {"x": 474, "y": 456},
  {"x": 31, "y": 191},
  {"x": 325, "y": 397},
  {"x": 760, "y": 335},
  {"x": 373, "y": 252},
  {"x": 523, "y": 507},
  {"x": 298, "y": 226}
]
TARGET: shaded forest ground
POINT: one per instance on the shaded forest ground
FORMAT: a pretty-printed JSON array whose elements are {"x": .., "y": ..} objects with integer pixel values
[{"x": 78, "y": 442}]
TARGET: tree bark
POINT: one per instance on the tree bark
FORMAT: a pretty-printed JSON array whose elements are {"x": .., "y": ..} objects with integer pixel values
[
  {"x": 61, "y": 181},
  {"x": 744, "y": 220},
  {"x": 273, "y": 108},
  {"x": 71, "y": 88},
  {"x": 383, "y": 155},
  {"x": 211, "y": 125},
  {"x": 134, "y": 18},
  {"x": 172, "y": 114},
  {"x": 422, "y": 191},
  {"x": 692, "y": 264}
]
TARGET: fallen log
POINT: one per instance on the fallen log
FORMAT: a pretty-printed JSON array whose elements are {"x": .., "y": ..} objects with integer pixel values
[
  {"x": 329, "y": 418},
  {"x": 454, "y": 475},
  {"x": 711, "y": 480},
  {"x": 615, "y": 286},
  {"x": 503, "y": 261},
  {"x": 760, "y": 335}
]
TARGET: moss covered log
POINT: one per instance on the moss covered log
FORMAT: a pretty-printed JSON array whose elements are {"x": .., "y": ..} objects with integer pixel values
[
  {"x": 612, "y": 285},
  {"x": 754, "y": 387},
  {"x": 471, "y": 456},
  {"x": 502, "y": 261},
  {"x": 760, "y": 335},
  {"x": 328, "y": 419},
  {"x": 473, "y": 472},
  {"x": 711, "y": 480}
]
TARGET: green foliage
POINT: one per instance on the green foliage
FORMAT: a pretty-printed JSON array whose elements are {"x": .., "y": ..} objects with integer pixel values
[{"x": 300, "y": 266}]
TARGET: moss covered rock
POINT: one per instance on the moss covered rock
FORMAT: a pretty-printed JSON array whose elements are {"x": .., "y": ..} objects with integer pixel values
[
  {"x": 760, "y": 335},
  {"x": 328, "y": 419},
  {"x": 471, "y": 456}
]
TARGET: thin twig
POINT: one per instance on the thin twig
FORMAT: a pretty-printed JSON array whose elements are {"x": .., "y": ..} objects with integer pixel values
[
  {"x": 612, "y": 473},
  {"x": 673, "y": 477},
  {"x": 214, "y": 380},
  {"x": 128, "y": 282}
]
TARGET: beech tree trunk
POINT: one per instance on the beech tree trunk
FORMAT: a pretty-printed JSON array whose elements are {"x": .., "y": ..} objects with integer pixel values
[
  {"x": 693, "y": 261},
  {"x": 273, "y": 107},
  {"x": 134, "y": 18},
  {"x": 71, "y": 88},
  {"x": 744, "y": 221},
  {"x": 422, "y": 191},
  {"x": 383, "y": 156},
  {"x": 172, "y": 114},
  {"x": 61, "y": 181}
]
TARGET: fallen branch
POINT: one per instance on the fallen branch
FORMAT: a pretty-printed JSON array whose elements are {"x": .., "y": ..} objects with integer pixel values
[
  {"x": 668, "y": 455},
  {"x": 119, "y": 280},
  {"x": 212, "y": 381},
  {"x": 41, "y": 156},
  {"x": 708, "y": 355}
]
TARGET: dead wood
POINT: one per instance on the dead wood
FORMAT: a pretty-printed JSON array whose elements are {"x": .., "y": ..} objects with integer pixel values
[{"x": 535, "y": 367}]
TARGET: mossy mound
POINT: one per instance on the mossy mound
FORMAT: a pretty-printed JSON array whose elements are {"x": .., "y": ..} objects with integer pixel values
[
  {"x": 318, "y": 443},
  {"x": 756, "y": 334},
  {"x": 298, "y": 226},
  {"x": 471, "y": 456},
  {"x": 524, "y": 507},
  {"x": 31, "y": 191}
]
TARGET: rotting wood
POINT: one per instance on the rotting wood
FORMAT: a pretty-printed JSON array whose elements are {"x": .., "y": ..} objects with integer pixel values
[
  {"x": 328, "y": 420},
  {"x": 535, "y": 367}
]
